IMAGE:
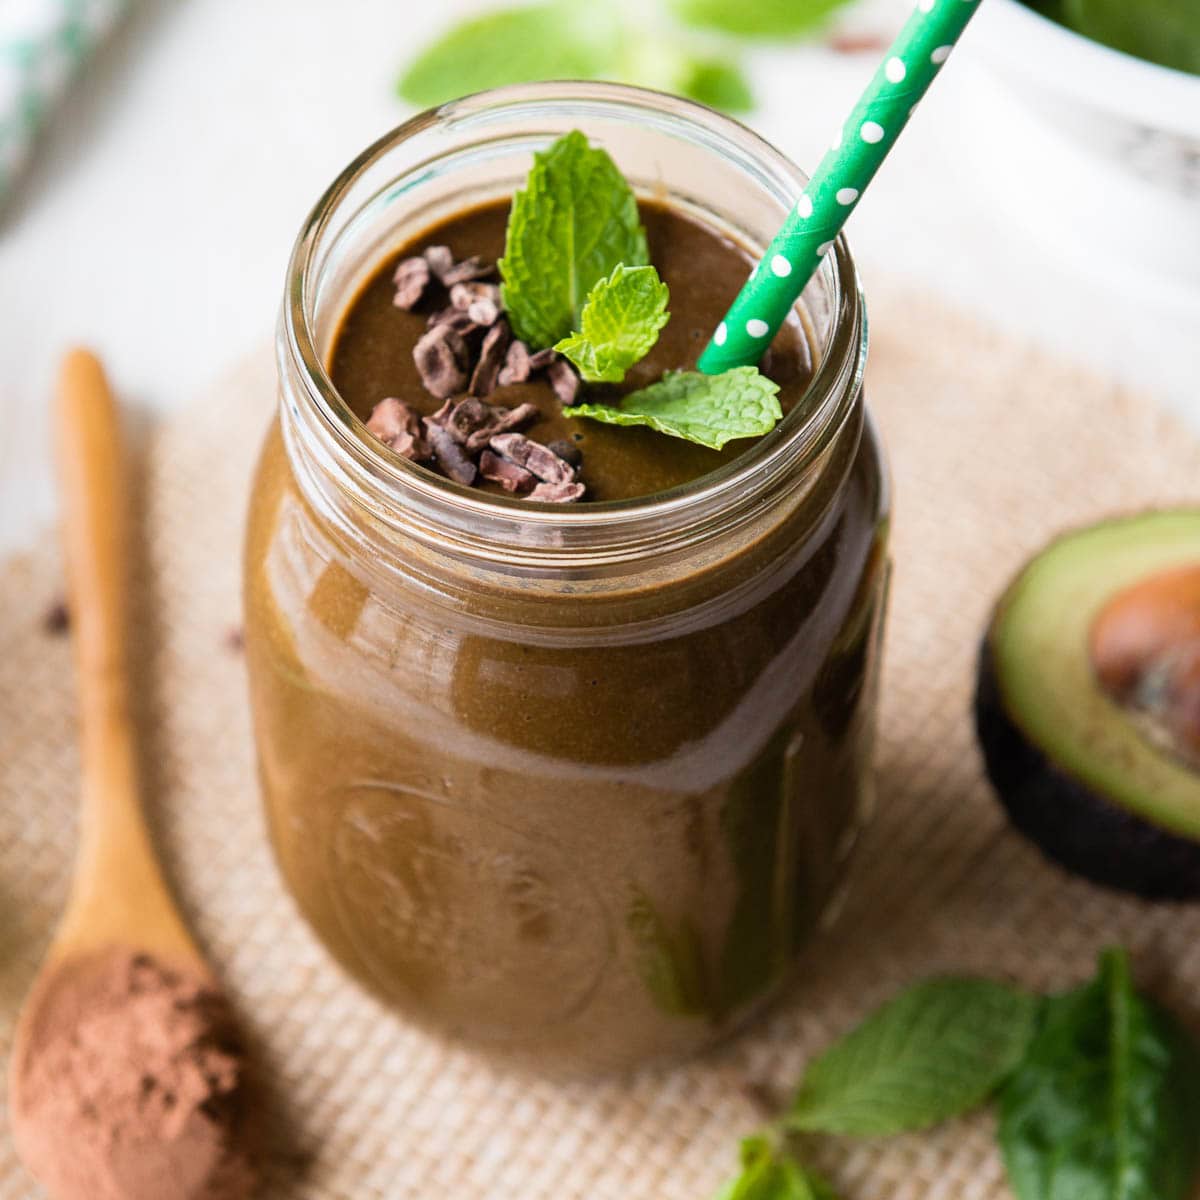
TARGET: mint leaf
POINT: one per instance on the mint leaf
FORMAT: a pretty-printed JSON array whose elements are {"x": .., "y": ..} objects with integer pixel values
[
  {"x": 758, "y": 18},
  {"x": 516, "y": 45},
  {"x": 621, "y": 319},
  {"x": 1106, "y": 1104},
  {"x": 709, "y": 409},
  {"x": 575, "y": 220},
  {"x": 769, "y": 1172},
  {"x": 937, "y": 1050}
]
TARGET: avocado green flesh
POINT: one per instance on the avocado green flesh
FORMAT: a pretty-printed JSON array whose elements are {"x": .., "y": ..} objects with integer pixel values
[{"x": 1039, "y": 644}]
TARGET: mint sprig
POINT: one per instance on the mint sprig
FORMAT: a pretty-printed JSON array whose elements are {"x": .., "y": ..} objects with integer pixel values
[
  {"x": 780, "y": 19},
  {"x": 573, "y": 223},
  {"x": 708, "y": 409},
  {"x": 619, "y": 325}
]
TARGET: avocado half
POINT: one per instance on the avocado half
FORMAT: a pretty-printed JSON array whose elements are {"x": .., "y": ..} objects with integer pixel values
[{"x": 1075, "y": 767}]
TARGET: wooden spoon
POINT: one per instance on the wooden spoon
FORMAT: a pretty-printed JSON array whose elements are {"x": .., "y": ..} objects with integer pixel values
[{"x": 119, "y": 909}]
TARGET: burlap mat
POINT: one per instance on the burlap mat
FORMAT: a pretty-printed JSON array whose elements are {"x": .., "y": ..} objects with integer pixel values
[{"x": 993, "y": 447}]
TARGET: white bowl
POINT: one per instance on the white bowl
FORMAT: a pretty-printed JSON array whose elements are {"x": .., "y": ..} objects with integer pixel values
[{"x": 1109, "y": 145}]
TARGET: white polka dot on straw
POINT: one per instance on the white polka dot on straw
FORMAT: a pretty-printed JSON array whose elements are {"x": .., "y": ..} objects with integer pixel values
[
  {"x": 780, "y": 266},
  {"x": 847, "y": 195},
  {"x": 895, "y": 70},
  {"x": 804, "y": 206},
  {"x": 721, "y": 334},
  {"x": 756, "y": 328},
  {"x": 940, "y": 55},
  {"x": 871, "y": 132}
]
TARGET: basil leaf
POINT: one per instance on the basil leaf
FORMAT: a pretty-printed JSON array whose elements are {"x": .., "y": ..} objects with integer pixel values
[
  {"x": 621, "y": 319},
  {"x": 769, "y": 1172},
  {"x": 1106, "y": 1105},
  {"x": 516, "y": 45},
  {"x": 1161, "y": 31},
  {"x": 939, "y": 1049},
  {"x": 573, "y": 223},
  {"x": 708, "y": 409},
  {"x": 758, "y": 18}
]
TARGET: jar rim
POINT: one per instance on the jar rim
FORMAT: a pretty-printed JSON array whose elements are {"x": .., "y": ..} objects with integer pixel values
[{"x": 796, "y": 441}]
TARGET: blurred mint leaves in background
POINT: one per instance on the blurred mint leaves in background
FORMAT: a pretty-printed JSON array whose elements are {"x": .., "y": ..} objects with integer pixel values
[
  {"x": 691, "y": 47},
  {"x": 1161, "y": 31}
]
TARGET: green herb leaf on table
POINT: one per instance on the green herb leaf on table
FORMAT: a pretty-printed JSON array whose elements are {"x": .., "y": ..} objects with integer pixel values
[
  {"x": 769, "y": 1172},
  {"x": 937, "y": 1050},
  {"x": 758, "y": 18},
  {"x": 1106, "y": 1104},
  {"x": 619, "y": 325},
  {"x": 719, "y": 83},
  {"x": 573, "y": 223},
  {"x": 709, "y": 409},
  {"x": 1160, "y": 31},
  {"x": 516, "y": 45}
]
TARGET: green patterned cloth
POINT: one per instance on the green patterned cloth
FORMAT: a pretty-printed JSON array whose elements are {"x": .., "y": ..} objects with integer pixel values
[{"x": 42, "y": 45}]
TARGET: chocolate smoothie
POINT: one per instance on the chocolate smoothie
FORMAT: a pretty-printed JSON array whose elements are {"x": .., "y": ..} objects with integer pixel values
[
  {"x": 577, "y": 797},
  {"x": 373, "y": 353}
]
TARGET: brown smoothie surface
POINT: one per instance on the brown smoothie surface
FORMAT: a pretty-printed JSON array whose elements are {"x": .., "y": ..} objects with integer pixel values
[{"x": 372, "y": 353}]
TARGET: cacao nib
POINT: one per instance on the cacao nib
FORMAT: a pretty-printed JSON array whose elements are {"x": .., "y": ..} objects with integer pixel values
[
  {"x": 564, "y": 381},
  {"x": 440, "y": 261},
  {"x": 533, "y": 456},
  {"x": 453, "y": 319},
  {"x": 396, "y": 425},
  {"x": 469, "y": 269},
  {"x": 449, "y": 454},
  {"x": 411, "y": 279},
  {"x": 480, "y": 301},
  {"x": 502, "y": 420},
  {"x": 56, "y": 620},
  {"x": 442, "y": 360},
  {"x": 516, "y": 364},
  {"x": 505, "y": 472},
  {"x": 557, "y": 493},
  {"x": 542, "y": 359},
  {"x": 491, "y": 357},
  {"x": 567, "y": 451}
]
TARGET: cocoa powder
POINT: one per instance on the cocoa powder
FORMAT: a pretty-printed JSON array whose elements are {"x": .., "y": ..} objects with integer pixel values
[{"x": 130, "y": 1085}]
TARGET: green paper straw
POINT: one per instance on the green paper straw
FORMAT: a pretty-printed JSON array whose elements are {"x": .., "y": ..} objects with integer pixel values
[{"x": 910, "y": 66}]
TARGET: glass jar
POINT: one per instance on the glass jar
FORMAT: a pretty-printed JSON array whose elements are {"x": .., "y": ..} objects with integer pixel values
[{"x": 572, "y": 781}]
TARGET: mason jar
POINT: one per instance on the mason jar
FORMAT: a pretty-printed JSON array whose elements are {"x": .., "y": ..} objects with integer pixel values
[{"x": 571, "y": 781}]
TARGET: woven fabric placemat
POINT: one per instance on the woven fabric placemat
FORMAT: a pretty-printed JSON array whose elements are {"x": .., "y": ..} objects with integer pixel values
[{"x": 994, "y": 447}]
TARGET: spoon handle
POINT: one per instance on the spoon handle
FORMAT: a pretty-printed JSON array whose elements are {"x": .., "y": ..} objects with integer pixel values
[{"x": 119, "y": 892}]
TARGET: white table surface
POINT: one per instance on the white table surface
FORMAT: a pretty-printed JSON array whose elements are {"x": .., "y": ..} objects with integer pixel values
[{"x": 157, "y": 219}]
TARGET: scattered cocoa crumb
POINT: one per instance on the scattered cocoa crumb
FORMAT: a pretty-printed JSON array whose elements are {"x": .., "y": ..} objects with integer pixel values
[
  {"x": 442, "y": 360},
  {"x": 564, "y": 381},
  {"x": 396, "y": 425},
  {"x": 505, "y": 472},
  {"x": 235, "y": 639},
  {"x": 411, "y": 279},
  {"x": 449, "y": 454},
  {"x": 858, "y": 43},
  {"x": 491, "y": 357},
  {"x": 56, "y": 620}
]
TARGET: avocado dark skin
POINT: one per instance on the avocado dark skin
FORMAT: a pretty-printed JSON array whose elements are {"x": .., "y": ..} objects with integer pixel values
[{"x": 1072, "y": 824}]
